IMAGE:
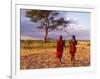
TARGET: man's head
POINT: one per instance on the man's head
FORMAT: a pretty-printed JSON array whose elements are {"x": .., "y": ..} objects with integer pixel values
[
  {"x": 73, "y": 36},
  {"x": 60, "y": 37}
]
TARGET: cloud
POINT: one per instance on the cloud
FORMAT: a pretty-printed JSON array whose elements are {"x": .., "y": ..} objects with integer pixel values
[{"x": 81, "y": 29}]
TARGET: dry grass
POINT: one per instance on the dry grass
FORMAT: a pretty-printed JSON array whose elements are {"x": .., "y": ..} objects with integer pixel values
[{"x": 39, "y": 55}]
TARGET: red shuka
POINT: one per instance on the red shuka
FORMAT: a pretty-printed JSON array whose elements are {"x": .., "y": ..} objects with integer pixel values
[
  {"x": 72, "y": 48},
  {"x": 59, "y": 48}
]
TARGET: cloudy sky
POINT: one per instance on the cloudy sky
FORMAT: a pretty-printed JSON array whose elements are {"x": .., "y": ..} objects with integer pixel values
[{"x": 81, "y": 27}]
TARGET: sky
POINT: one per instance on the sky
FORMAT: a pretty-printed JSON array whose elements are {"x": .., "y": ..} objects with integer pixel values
[{"x": 81, "y": 27}]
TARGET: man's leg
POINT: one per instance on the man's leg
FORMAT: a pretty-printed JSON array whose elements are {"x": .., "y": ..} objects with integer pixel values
[{"x": 73, "y": 60}]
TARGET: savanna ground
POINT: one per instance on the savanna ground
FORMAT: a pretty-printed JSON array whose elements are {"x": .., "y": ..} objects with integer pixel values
[{"x": 37, "y": 54}]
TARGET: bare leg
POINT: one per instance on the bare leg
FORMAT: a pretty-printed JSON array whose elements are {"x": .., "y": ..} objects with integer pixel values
[
  {"x": 60, "y": 60},
  {"x": 57, "y": 58},
  {"x": 73, "y": 60}
]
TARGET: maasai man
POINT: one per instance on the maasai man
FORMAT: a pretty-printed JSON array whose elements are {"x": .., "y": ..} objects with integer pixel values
[
  {"x": 72, "y": 49},
  {"x": 59, "y": 48}
]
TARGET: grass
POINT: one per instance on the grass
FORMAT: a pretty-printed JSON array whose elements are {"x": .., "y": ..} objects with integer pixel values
[
  {"x": 36, "y": 54},
  {"x": 37, "y": 44}
]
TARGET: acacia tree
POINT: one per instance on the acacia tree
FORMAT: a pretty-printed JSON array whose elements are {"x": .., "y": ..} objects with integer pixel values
[{"x": 48, "y": 20}]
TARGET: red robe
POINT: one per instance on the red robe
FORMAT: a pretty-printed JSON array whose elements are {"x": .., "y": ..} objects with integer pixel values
[
  {"x": 72, "y": 48},
  {"x": 59, "y": 48}
]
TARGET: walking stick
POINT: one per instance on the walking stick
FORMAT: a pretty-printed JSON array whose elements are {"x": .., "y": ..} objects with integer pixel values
[{"x": 68, "y": 33}]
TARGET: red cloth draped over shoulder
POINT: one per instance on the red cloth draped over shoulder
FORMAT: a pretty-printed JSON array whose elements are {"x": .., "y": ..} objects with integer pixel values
[
  {"x": 72, "y": 48},
  {"x": 59, "y": 48}
]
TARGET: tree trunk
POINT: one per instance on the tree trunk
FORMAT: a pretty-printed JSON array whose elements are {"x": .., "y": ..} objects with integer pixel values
[
  {"x": 46, "y": 30},
  {"x": 45, "y": 38}
]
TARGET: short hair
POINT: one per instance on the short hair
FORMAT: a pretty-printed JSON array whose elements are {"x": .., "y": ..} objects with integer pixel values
[
  {"x": 73, "y": 36},
  {"x": 60, "y": 36}
]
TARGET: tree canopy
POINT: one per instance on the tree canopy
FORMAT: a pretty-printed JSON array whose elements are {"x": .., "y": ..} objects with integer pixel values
[{"x": 48, "y": 20}]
